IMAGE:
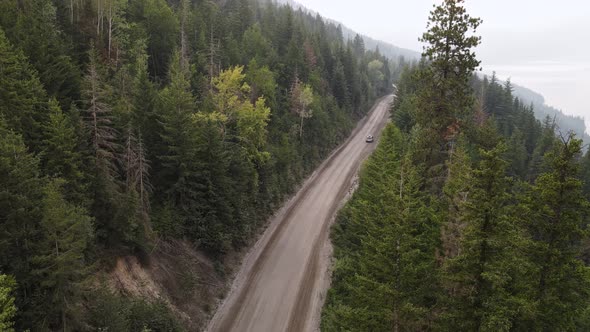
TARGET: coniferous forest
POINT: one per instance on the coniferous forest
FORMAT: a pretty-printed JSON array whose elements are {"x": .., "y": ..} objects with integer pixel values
[
  {"x": 126, "y": 123},
  {"x": 131, "y": 125},
  {"x": 471, "y": 215}
]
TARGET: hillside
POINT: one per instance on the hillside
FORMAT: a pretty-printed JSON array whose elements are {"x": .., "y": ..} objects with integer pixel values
[
  {"x": 145, "y": 143},
  {"x": 387, "y": 49},
  {"x": 564, "y": 122}
]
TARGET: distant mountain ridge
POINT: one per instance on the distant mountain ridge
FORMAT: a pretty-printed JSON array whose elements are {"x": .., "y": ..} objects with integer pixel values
[
  {"x": 389, "y": 50},
  {"x": 564, "y": 122}
]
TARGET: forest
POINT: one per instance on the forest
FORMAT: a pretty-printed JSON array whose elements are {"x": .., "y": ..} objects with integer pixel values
[
  {"x": 124, "y": 123},
  {"x": 471, "y": 215}
]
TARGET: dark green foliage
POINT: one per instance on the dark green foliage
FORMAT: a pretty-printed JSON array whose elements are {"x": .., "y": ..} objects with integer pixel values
[
  {"x": 389, "y": 220},
  {"x": 558, "y": 214},
  {"x": 22, "y": 98},
  {"x": 59, "y": 261},
  {"x": 124, "y": 122},
  {"x": 61, "y": 156},
  {"x": 20, "y": 210},
  {"x": 32, "y": 26},
  {"x": 445, "y": 99},
  {"x": 110, "y": 312},
  {"x": 161, "y": 28},
  {"x": 473, "y": 216},
  {"x": 487, "y": 277}
]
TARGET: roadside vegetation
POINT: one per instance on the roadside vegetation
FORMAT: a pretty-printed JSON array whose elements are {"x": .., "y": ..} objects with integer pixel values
[
  {"x": 124, "y": 123},
  {"x": 471, "y": 215}
]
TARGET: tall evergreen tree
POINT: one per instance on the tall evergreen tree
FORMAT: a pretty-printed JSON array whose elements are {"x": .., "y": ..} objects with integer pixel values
[
  {"x": 59, "y": 260},
  {"x": 445, "y": 100},
  {"x": 385, "y": 274},
  {"x": 486, "y": 277},
  {"x": 558, "y": 214},
  {"x": 22, "y": 98},
  {"x": 20, "y": 200},
  {"x": 60, "y": 155},
  {"x": 32, "y": 26},
  {"x": 177, "y": 150}
]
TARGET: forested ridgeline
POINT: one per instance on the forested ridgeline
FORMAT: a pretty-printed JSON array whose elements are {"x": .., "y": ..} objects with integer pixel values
[
  {"x": 128, "y": 122},
  {"x": 471, "y": 215}
]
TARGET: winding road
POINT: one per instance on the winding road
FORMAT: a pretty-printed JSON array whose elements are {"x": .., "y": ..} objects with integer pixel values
[{"x": 277, "y": 286}]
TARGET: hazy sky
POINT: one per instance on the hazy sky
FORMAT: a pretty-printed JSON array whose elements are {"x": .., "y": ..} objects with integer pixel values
[{"x": 541, "y": 44}]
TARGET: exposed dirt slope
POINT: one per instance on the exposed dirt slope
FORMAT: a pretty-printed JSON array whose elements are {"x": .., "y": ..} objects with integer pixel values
[{"x": 175, "y": 273}]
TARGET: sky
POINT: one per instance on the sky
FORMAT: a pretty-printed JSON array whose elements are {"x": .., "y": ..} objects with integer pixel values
[{"x": 543, "y": 45}]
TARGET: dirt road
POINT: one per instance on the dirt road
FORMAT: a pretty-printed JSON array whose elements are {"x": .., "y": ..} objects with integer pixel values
[{"x": 274, "y": 288}]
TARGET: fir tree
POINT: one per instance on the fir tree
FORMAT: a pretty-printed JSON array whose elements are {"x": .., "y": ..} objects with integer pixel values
[
  {"x": 558, "y": 212},
  {"x": 484, "y": 277},
  {"x": 21, "y": 94},
  {"x": 60, "y": 155},
  {"x": 385, "y": 275},
  {"x": 445, "y": 99},
  {"x": 20, "y": 199},
  {"x": 179, "y": 165},
  {"x": 59, "y": 260}
]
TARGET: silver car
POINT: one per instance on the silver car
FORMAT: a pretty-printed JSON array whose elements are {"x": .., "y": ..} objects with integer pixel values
[{"x": 369, "y": 139}]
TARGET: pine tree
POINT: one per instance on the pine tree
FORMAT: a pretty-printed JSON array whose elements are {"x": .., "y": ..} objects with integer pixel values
[
  {"x": 517, "y": 155},
  {"x": 20, "y": 198},
  {"x": 177, "y": 158},
  {"x": 385, "y": 274},
  {"x": 144, "y": 96},
  {"x": 544, "y": 144},
  {"x": 453, "y": 62},
  {"x": 114, "y": 226},
  {"x": 22, "y": 96},
  {"x": 33, "y": 27},
  {"x": 483, "y": 280},
  {"x": 444, "y": 98},
  {"x": 557, "y": 217},
  {"x": 585, "y": 174},
  {"x": 456, "y": 192},
  {"x": 59, "y": 260},
  {"x": 60, "y": 155}
]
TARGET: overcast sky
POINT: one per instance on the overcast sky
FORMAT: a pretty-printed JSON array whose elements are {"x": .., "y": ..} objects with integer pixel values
[{"x": 543, "y": 45}]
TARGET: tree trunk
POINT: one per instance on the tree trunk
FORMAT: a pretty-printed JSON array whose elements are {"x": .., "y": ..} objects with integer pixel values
[{"x": 301, "y": 127}]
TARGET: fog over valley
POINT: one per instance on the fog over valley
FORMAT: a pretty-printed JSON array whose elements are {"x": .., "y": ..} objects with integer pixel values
[{"x": 538, "y": 44}]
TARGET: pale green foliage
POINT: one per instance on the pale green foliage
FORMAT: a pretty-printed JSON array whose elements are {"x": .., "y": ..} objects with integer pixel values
[
  {"x": 7, "y": 307},
  {"x": 305, "y": 99},
  {"x": 230, "y": 91},
  {"x": 252, "y": 122},
  {"x": 231, "y": 101},
  {"x": 301, "y": 99},
  {"x": 376, "y": 75}
]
